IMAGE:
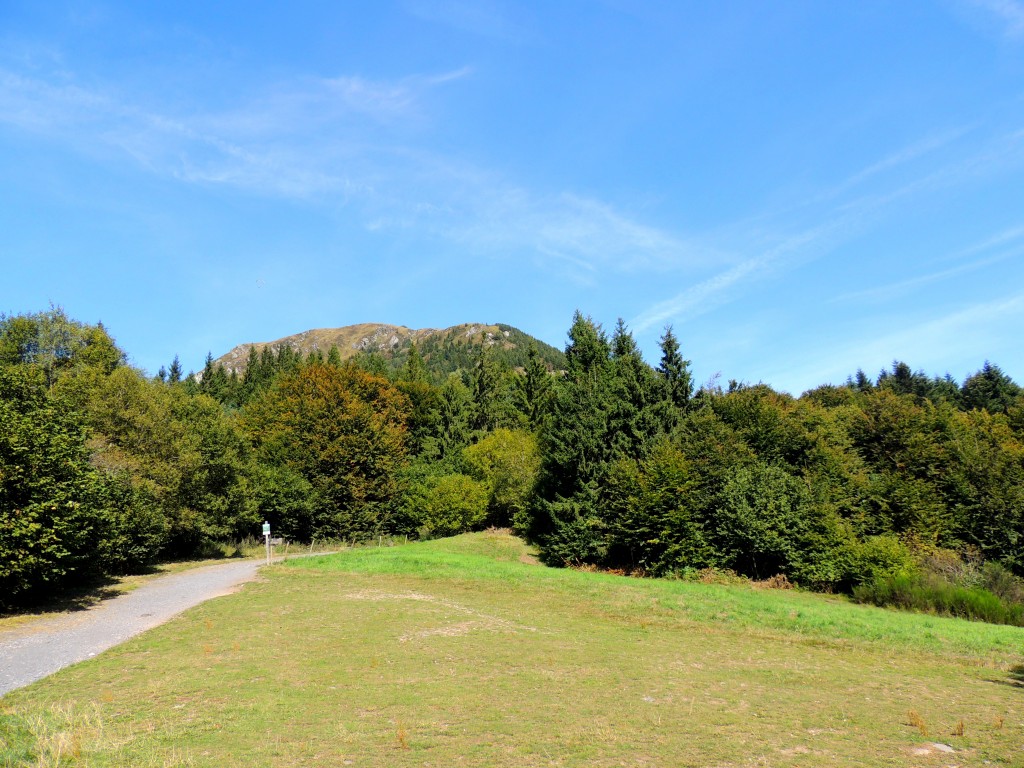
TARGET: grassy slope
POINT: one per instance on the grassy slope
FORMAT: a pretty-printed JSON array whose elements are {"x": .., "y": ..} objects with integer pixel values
[
  {"x": 393, "y": 342},
  {"x": 457, "y": 651}
]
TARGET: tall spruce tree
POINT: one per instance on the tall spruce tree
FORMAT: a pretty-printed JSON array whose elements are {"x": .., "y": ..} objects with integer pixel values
[
  {"x": 414, "y": 370},
  {"x": 575, "y": 450},
  {"x": 990, "y": 389},
  {"x": 485, "y": 385},
  {"x": 453, "y": 420},
  {"x": 677, "y": 381},
  {"x": 634, "y": 418},
  {"x": 174, "y": 372},
  {"x": 533, "y": 388}
]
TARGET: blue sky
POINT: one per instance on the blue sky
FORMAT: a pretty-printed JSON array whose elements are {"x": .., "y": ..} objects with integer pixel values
[{"x": 799, "y": 188}]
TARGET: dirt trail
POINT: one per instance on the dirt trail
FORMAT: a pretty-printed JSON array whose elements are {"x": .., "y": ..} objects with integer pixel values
[{"x": 40, "y": 648}]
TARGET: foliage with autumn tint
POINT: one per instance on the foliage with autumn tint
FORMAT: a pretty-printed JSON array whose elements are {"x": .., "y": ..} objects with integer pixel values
[
  {"x": 344, "y": 432},
  {"x": 902, "y": 488}
]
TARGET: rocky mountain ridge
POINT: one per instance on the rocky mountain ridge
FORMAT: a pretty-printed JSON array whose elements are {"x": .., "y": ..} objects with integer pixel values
[{"x": 443, "y": 349}]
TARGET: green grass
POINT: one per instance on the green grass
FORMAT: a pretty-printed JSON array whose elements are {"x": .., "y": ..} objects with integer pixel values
[{"x": 464, "y": 652}]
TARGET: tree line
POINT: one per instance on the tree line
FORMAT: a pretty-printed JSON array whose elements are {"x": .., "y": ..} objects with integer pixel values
[{"x": 609, "y": 461}]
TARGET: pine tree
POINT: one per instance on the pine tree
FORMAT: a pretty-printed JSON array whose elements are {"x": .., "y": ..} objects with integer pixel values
[
  {"x": 454, "y": 413},
  {"x": 575, "y": 439},
  {"x": 414, "y": 370},
  {"x": 587, "y": 352},
  {"x": 861, "y": 382},
  {"x": 990, "y": 389},
  {"x": 675, "y": 371},
  {"x": 174, "y": 373},
  {"x": 676, "y": 382},
  {"x": 268, "y": 365},
  {"x": 904, "y": 381},
  {"x": 534, "y": 388},
  {"x": 484, "y": 386},
  {"x": 575, "y": 450},
  {"x": 205, "y": 381},
  {"x": 252, "y": 379},
  {"x": 634, "y": 412}
]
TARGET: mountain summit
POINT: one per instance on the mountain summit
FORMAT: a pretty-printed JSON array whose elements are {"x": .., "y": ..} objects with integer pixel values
[{"x": 443, "y": 350}]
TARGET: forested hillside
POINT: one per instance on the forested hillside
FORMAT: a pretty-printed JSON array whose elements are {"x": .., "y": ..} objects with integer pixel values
[
  {"x": 387, "y": 347},
  {"x": 902, "y": 488}
]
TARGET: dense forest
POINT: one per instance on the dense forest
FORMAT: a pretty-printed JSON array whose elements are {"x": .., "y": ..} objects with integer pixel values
[{"x": 900, "y": 488}]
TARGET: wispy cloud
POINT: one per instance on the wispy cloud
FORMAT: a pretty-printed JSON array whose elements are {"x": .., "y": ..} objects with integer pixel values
[
  {"x": 930, "y": 344},
  {"x": 895, "y": 290},
  {"x": 1009, "y": 14},
  {"x": 479, "y": 17},
  {"x": 355, "y": 141},
  {"x": 844, "y": 217},
  {"x": 998, "y": 240},
  {"x": 586, "y": 234},
  {"x": 900, "y": 157},
  {"x": 715, "y": 291}
]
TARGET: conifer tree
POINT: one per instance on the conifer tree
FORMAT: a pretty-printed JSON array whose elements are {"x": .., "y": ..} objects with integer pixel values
[
  {"x": 206, "y": 380},
  {"x": 534, "y": 388},
  {"x": 268, "y": 364},
  {"x": 454, "y": 413},
  {"x": 484, "y": 387},
  {"x": 990, "y": 389},
  {"x": 252, "y": 378},
  {"x": 635, "y": 395},
  {"x": 904, "y": 381},
  {"x": 861, "y": 382},
  {"x": 414, "y": 370},
  {"x": 174, "y": 372},
  {"x": 675, "y": 372},
  {"x": 575, "y": 449}
]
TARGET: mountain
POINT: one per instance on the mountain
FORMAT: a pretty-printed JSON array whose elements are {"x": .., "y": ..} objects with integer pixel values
[{"x": 443, "y": 350}]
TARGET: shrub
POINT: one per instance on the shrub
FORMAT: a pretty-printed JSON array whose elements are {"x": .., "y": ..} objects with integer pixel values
[
  {"x": 507, "y": 462},
  {"x": 575, "y": 536},
  {"x": 1002, "y": 583},
  {"x": 448, "y": 505},
  {"x": 881, "y": 556},
  {"x": 768, "y": 524},
  {"x": 650, "y": 513},
  {"x": 929, "y": 593}
]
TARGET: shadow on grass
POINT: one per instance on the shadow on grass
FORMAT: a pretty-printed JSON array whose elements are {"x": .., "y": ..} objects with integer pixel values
[
  {"x": 77, "y": 598},
  {"x": 1016, "y": 676},
  {"x": 91, "y": 592}
]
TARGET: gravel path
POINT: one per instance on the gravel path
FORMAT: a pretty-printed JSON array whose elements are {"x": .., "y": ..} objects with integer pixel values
[{"x": 35, "y": 650}]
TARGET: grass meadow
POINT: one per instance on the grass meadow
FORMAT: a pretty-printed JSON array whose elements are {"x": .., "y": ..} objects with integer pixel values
[{"x": 465, "y": 652}]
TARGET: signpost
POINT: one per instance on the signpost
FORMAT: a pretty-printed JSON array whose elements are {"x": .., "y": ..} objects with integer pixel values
[{"x": 266, "y": 536}]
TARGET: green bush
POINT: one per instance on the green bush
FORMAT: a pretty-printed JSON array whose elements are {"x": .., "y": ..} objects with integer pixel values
[
  {"x": 577, "y": 535},
  {"x": 651, "y": 515},
  {"x": 448, "y": 505},
  {"x": 1002, "y": 583},
  {"x": 881, "y": 556},
  {"x": 768, "y": 524},
  {"x": 931, "y": 594},
  {"x": 507, "y": 462}
]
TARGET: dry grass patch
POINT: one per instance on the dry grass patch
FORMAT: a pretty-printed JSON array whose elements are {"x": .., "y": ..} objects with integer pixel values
[{"x": 454, "y": 652}]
